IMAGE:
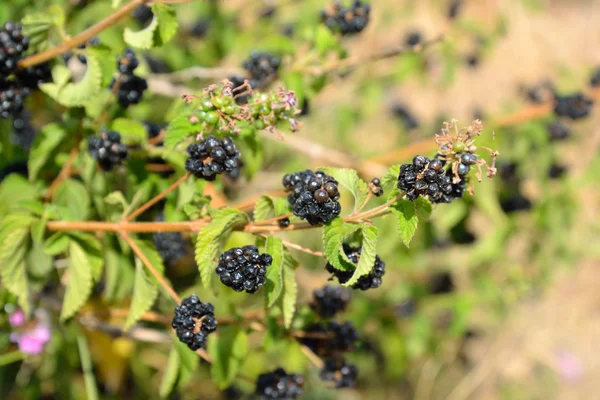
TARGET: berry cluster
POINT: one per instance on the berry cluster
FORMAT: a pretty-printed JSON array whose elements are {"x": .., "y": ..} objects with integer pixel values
[
  {"x": 128, "y": 87},
  {"x": 330, "y": 300},
  {"x": 339, "y": 372},
  {"x": 413, "y": 38},
  {"x": 153, "y": 131},
  {"x": 370, "y": 281},
  {"x": 558, "y": 131},
  {"x": 262, "y": 67},
  {"x": 12, "y": 46},
  {"x": 331, "y": 339},
  {"x": 278, "y": 384},
  {"x": 574, "y": 106},
  {"x": 12, "y": 98},
  {"x": 107, "y": 149},
  {"x": 314, "y": 196},
  {"x": 375, "y": 187},
  {"x": 170, "y": 245},
  {"x": 23, "y": 134},
  {"x": 211, "y": 157},
  {"x": 243, "y": 268},
  {"x": 347, "y": 21},
  {"x": 193, "y": 322},
  {"x": 32, "y": 77}
]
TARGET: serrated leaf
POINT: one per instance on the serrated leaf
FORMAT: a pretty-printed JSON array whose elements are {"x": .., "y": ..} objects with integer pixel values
[
  {"x": 274, "y": 284},
  {"x": 119, "y": 276},
  {"x": 334, "y": 234},
  {"x": 108, "y": 66},
  {"x": 93, "y": 250},
  {"x": 78, "y": 94},
  {"x": 45, "y": 143},
  {"x": 263, "y": 208},
  {"x": 367, "y": 254},
  {"x": 227, "y": 351},
  {"x": 56, "y": 244},
  {"x": 179, "y": 129},
  {"x": 423, "y": 208},
  {"x": 132, "y": 132},
  {"x": 142, "y": 39},
  {"x": 169, "y": 379},
  {"x": 145, "y": 292},
  {"x": 350, "y": 180},
  {"x": 211, "y": 237},
  {"x": 38, "y": 263},
  {"x": 79, "y": 286},
  {"x": 290, "y": 289},
  {"x": 167, "y": 23},
  {"x": 75, "y": 197},
  {"x": 14, "y": 189},
  {"x": 390, "y": 179},
  {"x": 407, "y": 219},
  {"x": 38, "y": 26}
]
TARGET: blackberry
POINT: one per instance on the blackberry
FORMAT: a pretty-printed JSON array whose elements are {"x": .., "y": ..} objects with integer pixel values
[
  {"x": 454, "y": 9},
  {"x": 330, "y": 300},
  {"x": 375, "y": 187},
  {"x": 12, "y": 98},
  {"x": 556, "y": 171},
  {"x": 94, "y": 41},
  {"x": 413, "y": 38},
  {"x": 278, "y": 384},
  {"x": 237, "y": 82},
  {"x": 262, "y": 67},
  {"x": 370, "y": 281},
  {"x": 314, "y": 196},
  {"x": 347, "y": 21},
  {"x": 193, "y": 322},
  {"x": 12, "y": 45},
  {"x": 283, "y": 223},
  {"x": 23, "y": 134},
  {"x": 574, "y": 106},
  {"x": 514, "y": 203},
  {"x": 170, "y": 245},
  {"x": 200, "y": 28},
  {"x": 558, "y": 131},
  {"x": 339, "y": 372},
  {"x": 541, "y": 93},
  {"x": 408, "y": 119},
  {"x": 211, "y": 157},
  {"x": 32, "y": 77},
  {"x": 243, "y": 268},
  {"x": 473, "y": 60},
  {"x": 128, "y": 62},
  {"x": 330, "y": 339},
  {"x": 107, "y": 149},
  {"x": 595, "y": 78},
  {"x": 143, "y": 15},
  {"x": 440, "y": 283},
  {"x": 130, "y": 90}
]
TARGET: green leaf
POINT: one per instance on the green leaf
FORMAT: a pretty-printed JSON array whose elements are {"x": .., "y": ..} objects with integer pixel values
[
  {"x": 132, "y": 132},
  {"x": 93, "y": 250},
  {"x": 228, "y": 352},
  {"x": 142, "y": 39},
  {"x": 169, "y": 379},
  {"x": 144, "y": 295},
  {"x": 38, "y": 264},
  {"x": 423, "y": 208},
  {"x": 274, "y": 284},
  {"x": 15, "y": 189},
  {"x": 57, "y": 243},
  {"x": 290, "y": 289},
  {"x": 367, "y": 254},
  {"x": 39, "y": 26},
  {"x": 179, "y": 129},
  {"x": 390, "y": 179},
  {"x": 75, "y": 197},
  {"x": 119, "y": 276},
  {"x": 334, "y": 234},
  {"x": 211, "y": 237},
  {"x": 269, "y": 206},
  {"x": 50, "y": 136},
  {"x": 79, "y": 286},
  {"x": 167, "y": 23},
  {"x": 324, "y": 39},
  {"x": 349, "y": 179},
  {"x": 407, "y": 219},
  {"x": 78, "y": 94}
]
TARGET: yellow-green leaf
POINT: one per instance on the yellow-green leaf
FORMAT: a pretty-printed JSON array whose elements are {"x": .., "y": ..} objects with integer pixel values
[{"x": 79, "y": 285}]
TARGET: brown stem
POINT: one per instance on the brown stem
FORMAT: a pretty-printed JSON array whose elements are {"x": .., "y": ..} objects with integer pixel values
[
  {"x": 64, "y": 173},
  {"x": 274, "y": 219},
  {"x": 293, "y": 245},
  {"x": 248, "y": 204},
  {"x": 362, "y": 206},
  {"x": 158, "y": 197},
  {"x": 150, "y": 267},
  {"x": 314, "y": 359}
]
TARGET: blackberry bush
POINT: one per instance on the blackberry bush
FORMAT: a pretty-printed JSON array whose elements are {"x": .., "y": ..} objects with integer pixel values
[
  {"x": 129, "y": 89},
  {"x": 278, "y": 384},
  {"x": 330, "y": 339},
  {"x": 243, "y": 268},
  {"x": 330, "y": 300},
  {"x": 314, "y": 196},
  {"x": 558, "y": 131},
  {"x": 347, "y": 20},
  {"x": 107, "y": 149},
  {"x": 212, "y": 157},
  {"x": 170, "y": 245},
  {"x": 370, "y": 281},
  {"x": 338, "y": 372},
  {"x": 193, "y": 322}
]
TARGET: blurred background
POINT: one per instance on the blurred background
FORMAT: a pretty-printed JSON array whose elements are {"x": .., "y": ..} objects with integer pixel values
[{"x": 497, "y": 297}]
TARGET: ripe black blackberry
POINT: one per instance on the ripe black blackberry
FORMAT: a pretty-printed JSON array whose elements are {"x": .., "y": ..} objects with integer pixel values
[
  {"x": 170, "y": 245},
  {"x": 278, "y": 384},
  {"x": 193, "y": 322},
  {"x": 314, "y": 196},
  {"x": 330, "y": 339},
  {"x": 143, "y": 15},
  {"x": 440, "y": 283},
  {"x": 556, "y": 171},
  {"x": 413, "y": 38},
  {"x": 12, "y": 98},
  {"x": 12, "y": 45},
  {"x": 558, "y": 131},
  {"x": 211, "y": 157},
  {"x": 330, "y": 300},
  {"x": 339, "y": 372},
  {"x": 370, "y": 281},
  {"x": 375, "y": 187},
  {"x": 243, "y": 268},
  {"x": 262, "y": 66},
  {"x": 595, "y": 78},
  {"x": 130, "y": 89},
  {"x": 107, "y": 149},
  {"x": 23, "y": 134},
  {"x": 128, "y": 62},
  {"x": 200, "y": 28},
  {"x": 347, "y": 21},
  {"x": 32, "y": 77},
  {"x": 283, "y": 223},
  {"x": 408, "y": 119},
  {"x": 574, "y": 106},
  {"x": 514, "y": 203}
]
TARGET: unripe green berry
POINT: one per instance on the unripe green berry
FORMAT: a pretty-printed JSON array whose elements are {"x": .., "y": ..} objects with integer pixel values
[
  {"x": 229, "y": 110},
  {"x": 218, "y": 101},
  {"x": 260, "y": 124},
  {"x": 212, "y": 117},
  {"x": 458, "y": 147},
  {"x": 207, "y": 105}
]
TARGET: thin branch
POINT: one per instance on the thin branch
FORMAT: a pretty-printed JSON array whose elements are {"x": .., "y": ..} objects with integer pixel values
[
  {"x": 293, "y": 245},
  {"x": 136, "y": 332},
  {"x": 150, "y": 267},
  {"x": 274, "y": 219},
  {"x": 187, "y": 74},
  {"x": 158, "y": 197},
  {"x": 314, "y": 359},
  {"x": 64, "y": 173}
]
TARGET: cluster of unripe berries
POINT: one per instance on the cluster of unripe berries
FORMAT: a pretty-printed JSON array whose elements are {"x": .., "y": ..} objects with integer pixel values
[
  {"x": 107, "y": 149},
  {"x": 193, "y": 322},
  {"x": 129, "y": 88},
  {"x": 314, "y": 196},
  {"x": 278, "y": 384},
  {"x": 370, "y": 281},
  {"x": 427, "y": 178},
  {"x": 212, "y": 157},
  {"x": 347, "y": 20},
  {"x": 243, "y": 268}
]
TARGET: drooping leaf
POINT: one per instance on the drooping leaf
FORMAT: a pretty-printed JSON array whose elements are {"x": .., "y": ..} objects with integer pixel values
[
  {"x": 38, "y": 263},
  {"x": 78, "y": 94},
  {"x": 179, "y": 129},
  {"x": 93, "y": 250},
  {"x": 274, "y": 284},
  {"x": 267, "y": 207},
  {"x": 334, "y": 234},
  {"x": 350, "y": 180},
  {"x": 211, "y": 237},
  {"x": 290, "y": 289},
  {"x": 74, "y": 196},
  {"x": 228, "y": 351},
  {"x": 45, "y": 143},
  {"x": 423, "y": 208},
  {"x": 79, "y": 285},
  {"x": 407, "y": 219},
  {"x": 119, "y": 275},
  {"x": 38, "y": 27},
  {"x": 167, "y": 23},
  {"x": 144, "y": 294},
  {"x": 367, "y": 254},
  {"x": 57, "y": 243},
  {"x": 142, "y": 39}
]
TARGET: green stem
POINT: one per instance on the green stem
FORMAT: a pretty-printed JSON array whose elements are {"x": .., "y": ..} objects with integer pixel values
[
  {"x": 88, "y": 371},
  {"x": 11, "y": 357}
]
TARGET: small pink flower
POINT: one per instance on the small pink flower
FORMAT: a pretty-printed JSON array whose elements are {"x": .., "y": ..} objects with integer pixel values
[
  {"x": 28, "y": 344},
  {"x": 569, "y": 366},
  {"x": 17, "y": 318},
  {"x": 42, "y": 333}
]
